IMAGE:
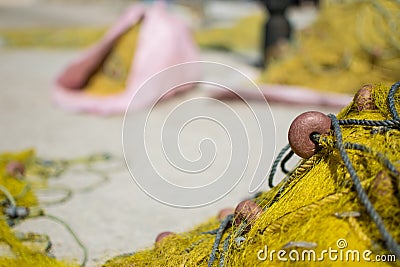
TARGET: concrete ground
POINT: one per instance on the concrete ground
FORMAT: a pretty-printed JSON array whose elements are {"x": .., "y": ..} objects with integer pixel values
[{"x": 117, "y": 217}]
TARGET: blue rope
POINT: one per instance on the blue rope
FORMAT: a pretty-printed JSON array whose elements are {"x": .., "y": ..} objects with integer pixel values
[
  {"x": 222, "y": 227},
  {"x": 362, "y": 195},
  {"x": 275, "y": 165},
  {"x": 392, "y": 123}
]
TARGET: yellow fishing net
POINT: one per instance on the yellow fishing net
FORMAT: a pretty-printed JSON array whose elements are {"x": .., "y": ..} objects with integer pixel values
[
  {"x": 315, "y": 207},
  {"x": 111, "y": 77},
  {"x": 14, "y": 250},
  {"x": 50, "y": 37},
  {"x": 23, "y": 182},
  {"x": 350, "y": 44},
  {"x": 243, "y": 35}
]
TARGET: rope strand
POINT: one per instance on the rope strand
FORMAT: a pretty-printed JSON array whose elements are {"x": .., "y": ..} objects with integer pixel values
[
  {"x": 73, "y": 234},
  {"x": 275, "y": 165},
  {"x": 362, "y": 195}
]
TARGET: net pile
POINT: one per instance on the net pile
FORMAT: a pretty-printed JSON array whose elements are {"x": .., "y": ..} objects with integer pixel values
[{"x": 351, "y": 43}]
